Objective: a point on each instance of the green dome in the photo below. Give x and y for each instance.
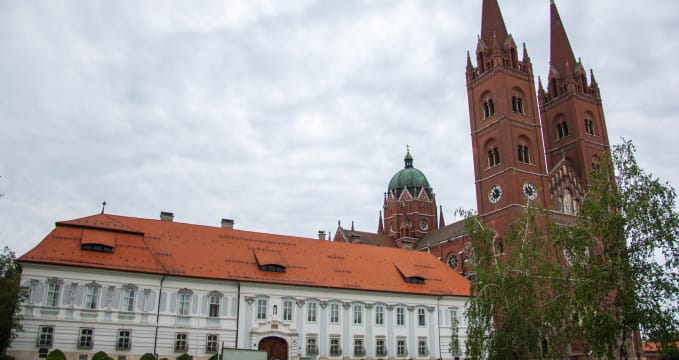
(408, 177)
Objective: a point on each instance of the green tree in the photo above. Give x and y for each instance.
(626, 239)
(11, 295)
(520, 300)
(595, 282)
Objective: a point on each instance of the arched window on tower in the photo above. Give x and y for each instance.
(517, 104)
(493, 157)
(524, 154)
(589, 126)
(561, 129)
(488, 108)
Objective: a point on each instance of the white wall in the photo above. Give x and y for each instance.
(70, 315)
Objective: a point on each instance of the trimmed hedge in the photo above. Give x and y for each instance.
(56, 354)
(147, 356)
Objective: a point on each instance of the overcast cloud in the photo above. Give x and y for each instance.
(285, 116)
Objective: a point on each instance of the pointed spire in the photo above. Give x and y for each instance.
(442, 222)
(492, 23)
(592, 79)
(526, 58)
(561, 52)
(469, 62)
(540, 88)
(380, 225)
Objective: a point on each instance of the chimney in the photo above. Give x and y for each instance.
(166, 216)
(227, 223)
(321, 235)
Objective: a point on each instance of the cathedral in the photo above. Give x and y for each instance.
(529, 146)
(131, 286)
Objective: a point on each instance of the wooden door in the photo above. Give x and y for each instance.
(276, 348)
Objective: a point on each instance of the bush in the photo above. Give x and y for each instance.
(183, 356)
(101, 356)
(148, 356)
(56, 354)
(214, 357)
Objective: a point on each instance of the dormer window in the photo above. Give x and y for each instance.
(269, 260)
(99, 241)
(97, 247)
(272, 267)
(414, 280)
(412, 274)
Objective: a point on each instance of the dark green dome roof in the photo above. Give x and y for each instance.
(408, 176)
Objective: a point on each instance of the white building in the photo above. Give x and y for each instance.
(129, 286)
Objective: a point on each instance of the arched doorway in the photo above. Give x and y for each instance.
(276, 348)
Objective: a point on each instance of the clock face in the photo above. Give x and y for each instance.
(495, 194)
(529, 190)
(424, 225)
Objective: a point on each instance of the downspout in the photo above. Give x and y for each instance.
(237, 316)
(155, 338)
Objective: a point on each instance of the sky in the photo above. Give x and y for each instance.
(285, 116)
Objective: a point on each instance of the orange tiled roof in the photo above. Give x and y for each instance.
(173, 248)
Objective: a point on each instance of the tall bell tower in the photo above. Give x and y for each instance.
(573, 119)
(509, 165)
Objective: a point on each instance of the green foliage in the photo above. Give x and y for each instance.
(214, 357)
(183, 356)
(101, 356)
(147, 356)
(11, 295)
(670, 354)
(622, 273)
(455, 338)
(56, 354)
(519, 305)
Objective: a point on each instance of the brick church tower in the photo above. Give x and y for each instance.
(512, 166)
(509, 161)
(573, 119)
(409, 206)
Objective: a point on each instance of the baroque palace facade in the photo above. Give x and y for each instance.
(130, 286)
